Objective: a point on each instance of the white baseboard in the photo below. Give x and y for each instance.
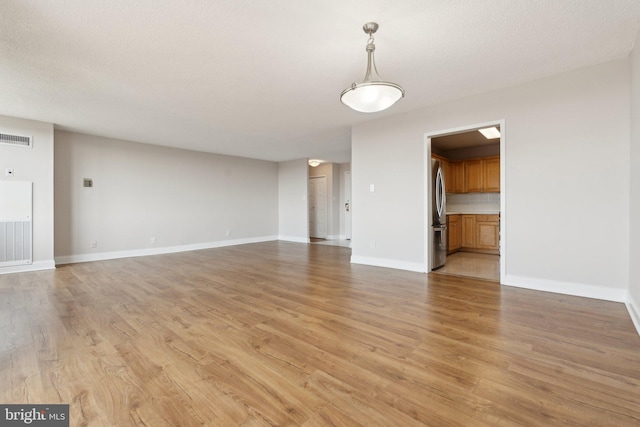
(567, 288)
(336, 237)
(633, 307)
(389, 263)
(34, 266)
(100, 256)
(294, 239)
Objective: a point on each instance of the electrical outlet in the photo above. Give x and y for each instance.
(154, 240)
(373, 244)
(228, 233)
(94, 244)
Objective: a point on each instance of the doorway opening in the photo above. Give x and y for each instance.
(318, 207)
(329, 198)
(473, 166)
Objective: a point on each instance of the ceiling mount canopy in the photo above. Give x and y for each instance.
(373, 94)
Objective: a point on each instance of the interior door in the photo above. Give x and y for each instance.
(347, 205)
(318, 207)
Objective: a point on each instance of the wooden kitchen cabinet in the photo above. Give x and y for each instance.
(488, 232)
(456, 177)
(468, 231)
(446, 170)
(480, 175)
(480, 233)
(491, 175)
(454, 234)
(473, 179)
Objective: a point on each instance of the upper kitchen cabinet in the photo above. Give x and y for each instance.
(474, 176)
(456, 178)
(491, 174)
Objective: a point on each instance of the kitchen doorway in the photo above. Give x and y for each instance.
(474, 170)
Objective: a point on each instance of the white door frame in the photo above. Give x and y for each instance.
(347, 199)
(428, 239)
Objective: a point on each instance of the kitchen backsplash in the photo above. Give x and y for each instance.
(473, 202)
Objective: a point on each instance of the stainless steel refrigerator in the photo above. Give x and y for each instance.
(438, 216)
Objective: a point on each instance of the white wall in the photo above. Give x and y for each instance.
(567, 181)
(36, 165)
(293, 207)
(634, 271)
(186, 199)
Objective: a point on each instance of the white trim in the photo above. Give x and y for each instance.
(336, 237)
(427, 193)
(567, 288)
(349, 189)
(35, 266)
(4, 264)
(389, 263)
(634, 311)
(158, 251)
(503, 201)
(294, 239)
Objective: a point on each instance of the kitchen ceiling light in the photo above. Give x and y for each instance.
(373, 94)
(490, 133)
(314, 163)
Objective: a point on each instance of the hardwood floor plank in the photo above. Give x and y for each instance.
(289, 334)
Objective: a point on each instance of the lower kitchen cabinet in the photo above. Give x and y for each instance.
(468, 231)
(488, 232)
(480, 233)
(455, 233)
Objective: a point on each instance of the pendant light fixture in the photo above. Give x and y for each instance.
(373, 94)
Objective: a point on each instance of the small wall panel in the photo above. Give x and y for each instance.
(15, 223)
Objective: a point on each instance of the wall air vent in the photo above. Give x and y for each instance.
(16, 140)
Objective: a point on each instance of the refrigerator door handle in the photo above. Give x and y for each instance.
(440, 195)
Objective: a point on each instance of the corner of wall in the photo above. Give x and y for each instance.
(389, 263)
(294, 239)
(633, 307)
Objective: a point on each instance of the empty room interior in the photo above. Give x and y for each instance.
(409, 213)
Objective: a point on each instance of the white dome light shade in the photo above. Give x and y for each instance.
(371, 97)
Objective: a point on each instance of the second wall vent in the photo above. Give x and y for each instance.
(16, 140)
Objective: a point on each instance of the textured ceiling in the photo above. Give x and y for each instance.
(261, 79)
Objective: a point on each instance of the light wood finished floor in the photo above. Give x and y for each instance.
(291, 334)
